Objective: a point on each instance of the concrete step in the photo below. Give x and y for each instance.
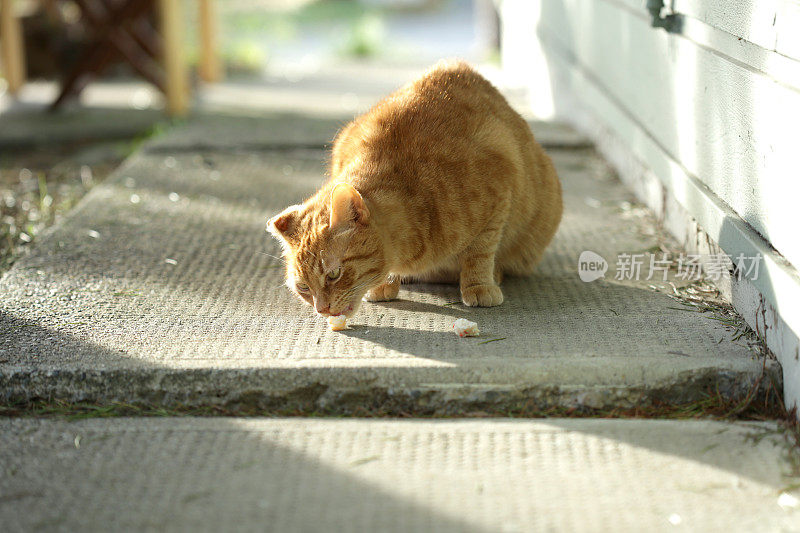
(162, 287)
(234, 474)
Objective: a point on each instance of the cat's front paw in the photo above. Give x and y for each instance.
(384, 292)
(482, 295)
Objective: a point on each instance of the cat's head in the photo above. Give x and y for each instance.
(333, 251)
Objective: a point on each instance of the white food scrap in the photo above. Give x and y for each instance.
(787, 501)
(337, 323)
(465, 328)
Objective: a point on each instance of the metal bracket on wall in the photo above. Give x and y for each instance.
(671, 23)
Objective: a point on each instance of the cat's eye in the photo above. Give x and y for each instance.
(334, 274)
(302, 287)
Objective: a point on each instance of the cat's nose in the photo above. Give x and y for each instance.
(322, 307)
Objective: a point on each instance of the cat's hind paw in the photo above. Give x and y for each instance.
(383, 292)
(482, 296)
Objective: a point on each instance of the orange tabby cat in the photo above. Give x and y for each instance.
(440, 181)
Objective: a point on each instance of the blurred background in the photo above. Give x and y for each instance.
(89, 94)
(271, 41)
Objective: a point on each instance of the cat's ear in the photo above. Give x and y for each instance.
(347, 207)
(284, 224)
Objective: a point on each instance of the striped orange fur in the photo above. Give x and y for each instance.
(440, 181)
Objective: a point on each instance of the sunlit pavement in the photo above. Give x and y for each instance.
(224, 474)
(162, 287)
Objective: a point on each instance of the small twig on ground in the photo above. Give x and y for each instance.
(493, 340)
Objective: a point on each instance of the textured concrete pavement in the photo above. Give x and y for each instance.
(163, 286)
(229, 474)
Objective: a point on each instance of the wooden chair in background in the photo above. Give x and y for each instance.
(121, 30)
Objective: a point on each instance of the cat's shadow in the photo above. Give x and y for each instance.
(426, 344)
(418, 342)
(456, 309)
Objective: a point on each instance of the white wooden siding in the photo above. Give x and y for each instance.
(788, 28)
(704, 125)
(730, 125)
(753, 20)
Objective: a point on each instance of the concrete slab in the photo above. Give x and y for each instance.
(163, 286)
(310, 107)
(34, 126)
(368, 475)
(239, 131)
(257, 131)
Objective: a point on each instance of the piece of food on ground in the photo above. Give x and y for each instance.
(337, 322)
(465, 328)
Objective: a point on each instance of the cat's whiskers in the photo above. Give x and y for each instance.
(369, 283)
(312, 254)
(281, 259)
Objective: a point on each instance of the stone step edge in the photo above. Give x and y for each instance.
(252, 389)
